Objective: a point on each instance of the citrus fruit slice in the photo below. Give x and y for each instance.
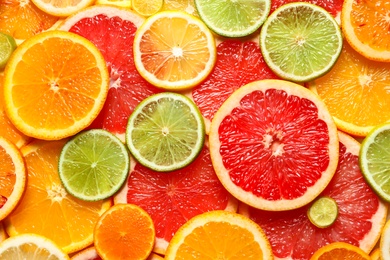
(274, 145)
(300, 41)
(187, 6)
(147, 8)
(93, 165)
(239, 62)
(359, 222)
(112, 30)
(55, 85)
(355, 92)
(384, 244)
(364, 25)
(173, 198)
(12, 177)
(7, 47)
(375, 254)
(174, 59)
(340, 250)
(201, 236)
(46, 208)
(90, 253)
(373, 160)
(323, 212)
(233, 18)
(125, 231)
(62, 8)
(165, 132)
(118, 3)
(31, 246)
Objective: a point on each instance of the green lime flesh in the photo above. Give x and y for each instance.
(233, 18)
(323, 212)
(300, 41)
(374, 160)
(93, 165)
(7, 47)
(165, 132)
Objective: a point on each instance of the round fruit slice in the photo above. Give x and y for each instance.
(112, 30)
(125, 231)
(31, 246)
(201, 236)
(7, 47)
(12, 177)
(187, 6)
(374, 158)
(365, 27)
(93, 165)
(340, 250)
(147, 8)
(355, 92)
(233, 18)
(359, 222)
(384, 245)
(165, 132)
(274, 145)
(118, 3)
(55, 85)
(173, 198)
(323, 212)
(62, 8)
(90, 253)
(46, 208)
(176, 58)
(300, 41)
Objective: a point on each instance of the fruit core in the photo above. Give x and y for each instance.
(273, 140)
(56, 193)
(177, 52)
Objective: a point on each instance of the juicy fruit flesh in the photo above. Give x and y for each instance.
(273, 137)
(7, 176)
(332, 6)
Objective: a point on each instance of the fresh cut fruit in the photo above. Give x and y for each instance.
(187, 6)
(323, 212)
(165, 132)
(118, 3)
(274, 145)
(55, 85)
(147, 8)
(340, 250)
(7, 47)
(62, 8)
(300, 41)
(219, 235)
(384, 245)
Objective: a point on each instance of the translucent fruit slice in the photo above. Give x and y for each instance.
(323, 212)
(340, 250)
(62, 8)
(300, 41)
(147, 8)
(93, 165)
(7, 47)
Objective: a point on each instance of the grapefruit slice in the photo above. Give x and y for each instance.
(112, 30)
(360, 219)
(172, 198)
(274, 145)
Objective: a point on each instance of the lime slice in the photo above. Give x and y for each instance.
(93, 165)
(236, 18)
(374, 160)
(323, 212)
(300, 41)
(147, 8)
(7, 47)
(165, 132)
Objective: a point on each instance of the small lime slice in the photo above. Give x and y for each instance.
(236, 18)
(374, 160)
(93, 165)
(147, 8)
(7, 47)
(165, 132)
(300, 41)
(323, 212)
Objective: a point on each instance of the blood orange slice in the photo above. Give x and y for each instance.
(173, 198)
(360, 219)
(274, 145)
(112, 30)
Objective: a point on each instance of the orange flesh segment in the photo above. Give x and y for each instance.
(7, 176)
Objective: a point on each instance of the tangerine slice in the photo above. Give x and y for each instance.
(340, 250)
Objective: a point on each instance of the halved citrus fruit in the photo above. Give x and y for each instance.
(274, 145)
(340, 250)
(55, 85)
(12, 177)
(112, 30)
(174, 197)
(62, 8)
(176, 58)
(90, 253)
(46, 208)
(219, 235)
(187, 6)
(323, 212)
(125, 231)
(361, 213)
(7, 47)
(147, 8)
(355, 92)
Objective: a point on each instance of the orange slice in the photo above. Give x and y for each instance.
(366, 27)
(55, 85)
(340, 250)
(90, 253)
(356, 92)
(219, 235)
(46, 208)
(12, 177)
(125, 231)
(62, 8)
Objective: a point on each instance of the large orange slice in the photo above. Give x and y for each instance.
(46, 208)
(55, 85)
(274, 145)
(340, 250)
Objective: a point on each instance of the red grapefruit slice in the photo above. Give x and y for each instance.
(359, 222)
(112, 30)
(274, 145)
(173, 198)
